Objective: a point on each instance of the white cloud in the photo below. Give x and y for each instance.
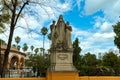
(78, 3)
(91, 6)
(106, 27)
(109, 7)
(95, 42)
(34, 18)
(102, 38)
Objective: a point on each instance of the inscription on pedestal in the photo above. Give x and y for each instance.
(62, 56)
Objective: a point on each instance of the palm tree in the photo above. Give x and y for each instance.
(14, 46)
(41, 50)
(49, 36)
(18, 47)
(44, 31)
(32, 47)
(36, 50)
(17, 39)
(25, 47)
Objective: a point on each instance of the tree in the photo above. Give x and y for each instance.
(90, 59)
(39, 62)
(25, 47)
(76, 53)
(88, 64)
(14, 46)
(49, 36)
(41, 50)
(44, 31)
(14, 9)
(18, 47)
(17, 39)
(3, 42)
(111, 60)
(32, 47)
(36, 50)
(4, 17)
(116, 29)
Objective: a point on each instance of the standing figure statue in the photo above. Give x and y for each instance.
(53, 34)
(68, 35)
(61, 35)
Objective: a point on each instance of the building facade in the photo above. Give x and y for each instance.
(16, 59)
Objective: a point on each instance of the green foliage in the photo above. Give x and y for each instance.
(25, 47)
(4, 17)
(76, 53)
(90, 59)
(44, 31)
(108, 66)
(116, 29)
(111, 60)
(88, 64)
(36, 50)
(18, 47)
(17, 39)
(38, 63)
(3, 42)
(32, 47)
(49, 36)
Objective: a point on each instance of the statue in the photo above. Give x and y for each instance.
(68, 35)
(53, 36)
(61, 35)
(61, 48)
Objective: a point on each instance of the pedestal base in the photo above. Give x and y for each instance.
(62, 76)
(61, 61)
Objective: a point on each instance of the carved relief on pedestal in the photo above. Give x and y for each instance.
(62, 56)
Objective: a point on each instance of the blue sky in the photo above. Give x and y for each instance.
(91, 21)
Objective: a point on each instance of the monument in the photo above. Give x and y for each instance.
(61, 52)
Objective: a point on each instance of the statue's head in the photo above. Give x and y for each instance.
(67, 23)
(60, 16)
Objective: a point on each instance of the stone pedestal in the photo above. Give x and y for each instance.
(62, 61)
(62, 67)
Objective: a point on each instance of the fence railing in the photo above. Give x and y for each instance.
(18, 73)
(29, 72)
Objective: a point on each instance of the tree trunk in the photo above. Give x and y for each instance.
(43, 45)
(14, 19)
(0, 61)
(6, 54)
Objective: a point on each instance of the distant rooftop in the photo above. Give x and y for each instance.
(3, 48)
